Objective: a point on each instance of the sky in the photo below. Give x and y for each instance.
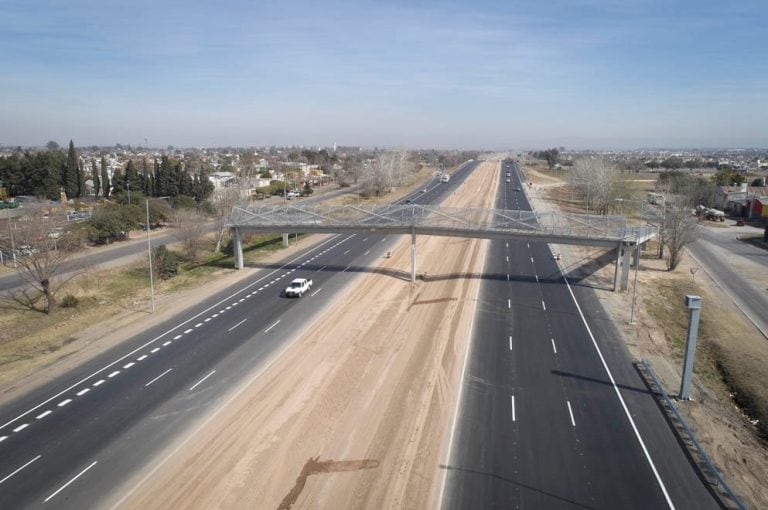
(583, 74)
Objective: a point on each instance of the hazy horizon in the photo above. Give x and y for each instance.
(584, 74)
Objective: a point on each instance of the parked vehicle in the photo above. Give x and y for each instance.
(714, 215)
(298, 287)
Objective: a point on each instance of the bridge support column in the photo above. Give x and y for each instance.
(413, 255)
(237, 247)
(619, 253)
(285, 240)
(625, 267)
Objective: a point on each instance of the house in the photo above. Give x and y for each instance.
(756, 207)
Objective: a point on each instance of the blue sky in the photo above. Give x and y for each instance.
(449, 74)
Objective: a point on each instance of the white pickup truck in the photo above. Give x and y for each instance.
(298, 287)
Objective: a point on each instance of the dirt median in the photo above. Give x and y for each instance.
(354, 414)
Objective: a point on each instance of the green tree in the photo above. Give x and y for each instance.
(113, 222)
(52, 146)
(165, 263)
(727, 177)
(95, 178)
(104, 177)
(71, 172)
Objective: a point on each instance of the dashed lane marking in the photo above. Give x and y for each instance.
(179, 336)
(98, 383)
(514, 418)
(113, 374)
(43, 414)
(570, 412)
(21, 427)
(85, 390)
(554, 347)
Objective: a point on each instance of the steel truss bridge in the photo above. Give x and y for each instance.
(416, 219)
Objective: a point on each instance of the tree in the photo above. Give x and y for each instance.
(104, 177)
(95, 178)
(307, 189)
(52, 146)
(39, 259)
(222, 203)
(727, 177)
(189, 230)
(165, 263)
(71, 172)
(113, 222)
(679, 228)
(598, 183)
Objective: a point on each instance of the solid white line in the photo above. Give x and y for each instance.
(315, 292)
(510, 342)
(21, 427)
(83, 392)
(554, 347)
(618, 394)
(201, 380)
(186, 331)
(570, 411)
(19, 469)
(544, 306)
(99, 382)
(150, 342)
(321, 268)
(513, 408)
(43, 415)
(158, 377)
(81, 473)
(236, 325)
(64, 402)
(177, 337)
(272, 326)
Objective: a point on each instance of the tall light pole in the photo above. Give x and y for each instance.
(151, 272)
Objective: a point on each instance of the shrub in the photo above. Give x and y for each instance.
(69, 301)
(165, 263)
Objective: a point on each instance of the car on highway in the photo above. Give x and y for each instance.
(509, 180)
(424, 190)
(298, 287)
(517, 189)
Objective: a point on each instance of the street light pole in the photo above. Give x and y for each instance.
(151, 272)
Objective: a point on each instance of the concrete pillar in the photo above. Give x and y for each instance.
(237, 248)
(694, 305)
(625, 266)
(285, 240)
(616, 270)
(413, 255)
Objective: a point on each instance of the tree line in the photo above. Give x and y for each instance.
(45, 174)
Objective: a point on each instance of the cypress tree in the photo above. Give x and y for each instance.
(104, 177)
(71, 175)
(95, 178)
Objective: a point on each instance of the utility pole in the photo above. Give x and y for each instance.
(151, 272)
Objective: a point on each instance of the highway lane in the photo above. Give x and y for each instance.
(541, 424)
(70, 442)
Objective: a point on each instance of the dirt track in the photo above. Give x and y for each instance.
(355, 414)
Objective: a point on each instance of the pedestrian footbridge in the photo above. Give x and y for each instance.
(415, 219)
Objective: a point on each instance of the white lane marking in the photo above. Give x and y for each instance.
(544, 306)
(513, 408)
(537, 278)
(321, 268)
(81, 473)
(222, 311)
(233, 304)
(158, 377)
(82, 392)
(241, 300)
(150, 342)
(3, 438)
(531, 260)
(510, 342)
(154, 350)
(214, 316)
(201, 380)
(528, 244)
(272, 326)
(507, 276)
(177, 337)
(142, 357)
(98, 383)
(19, 469)
(367, 252)
(345, 252)
(129, 365)
(507, 258)
(43, 415)
(509, 303)
(315, 292)
(186, 331)
(236, 325)
(365, 239)
(346, 268)
(22, 427)
(618, 394)
(554, 347)
(113, 374)
(570, 411)
(166, 344)
(260, 288)
(64, 402)
(208, 319)
(507, 244)
(200, 323)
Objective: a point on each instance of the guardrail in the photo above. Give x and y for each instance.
(726, 496)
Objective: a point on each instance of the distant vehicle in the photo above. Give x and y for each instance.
(509, 180)
(291, 195)
(714, 215)
(655, 198)
(424, 190)
(517, 189)
(408, 202)
(298, 287)
(445, 178)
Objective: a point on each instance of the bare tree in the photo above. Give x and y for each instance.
(223, 201)
(386, 170)
(189, 230)
(40, 249)
(597, 181)
(678, 230)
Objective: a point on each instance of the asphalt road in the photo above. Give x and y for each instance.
(70, 442)
(542, 423)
